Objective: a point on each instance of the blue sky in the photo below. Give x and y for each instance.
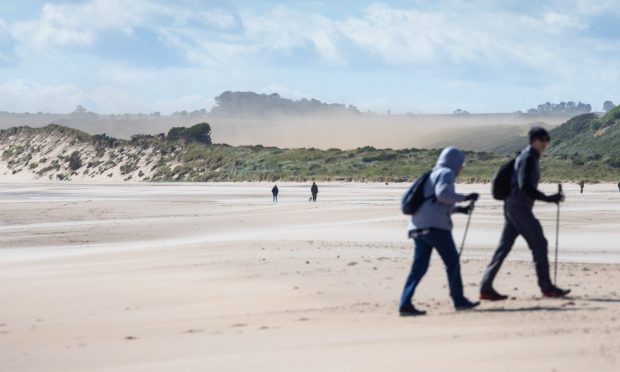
(116, 56)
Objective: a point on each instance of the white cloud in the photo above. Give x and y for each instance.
(224, 48)
(79, 24)
(219, 19)
(283, 29)
(24, 96)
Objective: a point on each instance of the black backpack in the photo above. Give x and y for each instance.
(414, 196)
(502, 181)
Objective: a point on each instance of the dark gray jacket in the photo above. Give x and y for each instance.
(525, 178)
(437, 212)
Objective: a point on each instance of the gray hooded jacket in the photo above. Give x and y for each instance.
(437, 212)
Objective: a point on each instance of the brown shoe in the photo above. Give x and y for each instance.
(556, 292)
(492, 295)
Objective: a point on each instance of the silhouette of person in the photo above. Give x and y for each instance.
(274, 192)
(314, 190)
(581, 184)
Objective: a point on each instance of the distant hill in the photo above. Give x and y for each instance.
(250, 104)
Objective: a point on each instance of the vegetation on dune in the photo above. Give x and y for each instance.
(589, 140)
(186, 154)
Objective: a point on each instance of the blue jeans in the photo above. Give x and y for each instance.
(443, 242)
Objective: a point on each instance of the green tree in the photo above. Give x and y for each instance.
(608, 105)
(199, 133)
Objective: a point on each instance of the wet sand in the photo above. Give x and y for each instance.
(216, 277)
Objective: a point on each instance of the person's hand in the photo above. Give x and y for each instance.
(473, 196)
(465, 210)
(555, 198)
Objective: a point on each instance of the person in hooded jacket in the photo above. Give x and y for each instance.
(520, 220)
(431, 227)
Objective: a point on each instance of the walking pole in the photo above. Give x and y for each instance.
(471, 209)
(557, 235)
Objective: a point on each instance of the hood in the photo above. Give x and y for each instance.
(452, 158)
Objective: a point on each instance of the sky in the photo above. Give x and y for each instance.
(118, 56)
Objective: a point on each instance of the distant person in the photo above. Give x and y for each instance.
(581, 185)
(618, 186)
(314, 190)
(274, 192)
(519, 219)
(431, 227)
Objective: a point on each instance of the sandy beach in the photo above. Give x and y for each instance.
(216, 277)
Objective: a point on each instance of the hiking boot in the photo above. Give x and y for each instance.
(555, 292)
(492, 295)
(410, 310)
(465, 304)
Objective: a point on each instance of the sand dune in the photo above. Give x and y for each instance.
(215, 277)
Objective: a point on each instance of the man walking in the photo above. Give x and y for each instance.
(519, 219)
(274, 193)
(314, 190)
(581, 185)
(431, 227)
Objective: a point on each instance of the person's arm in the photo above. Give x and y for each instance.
(444, 189)
(524, 180)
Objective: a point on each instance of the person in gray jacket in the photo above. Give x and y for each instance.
(519, 220)
(431, 227)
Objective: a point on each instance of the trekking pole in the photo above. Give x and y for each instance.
(557, 235)
(471, 208)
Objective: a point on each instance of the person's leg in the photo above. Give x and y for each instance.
(444, 243)
(509, 235)
(531, 230)
(421, 259)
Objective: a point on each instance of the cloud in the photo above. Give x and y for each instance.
(23, 95)
(80, 24)
(548, 47)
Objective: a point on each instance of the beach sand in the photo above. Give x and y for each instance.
(216, 277)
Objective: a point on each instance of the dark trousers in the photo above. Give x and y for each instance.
(423, 247)
(275, 198)
(314, 197)
(520, 220)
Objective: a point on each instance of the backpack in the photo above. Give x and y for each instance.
(414, 196)
(502, 181)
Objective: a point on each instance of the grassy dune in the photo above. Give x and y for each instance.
(46, 153)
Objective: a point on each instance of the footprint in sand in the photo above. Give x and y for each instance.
(131, 338)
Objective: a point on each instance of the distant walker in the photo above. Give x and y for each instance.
(274, 192)
(314, 190)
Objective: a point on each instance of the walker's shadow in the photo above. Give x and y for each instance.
(531, 308)
(611, 300)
